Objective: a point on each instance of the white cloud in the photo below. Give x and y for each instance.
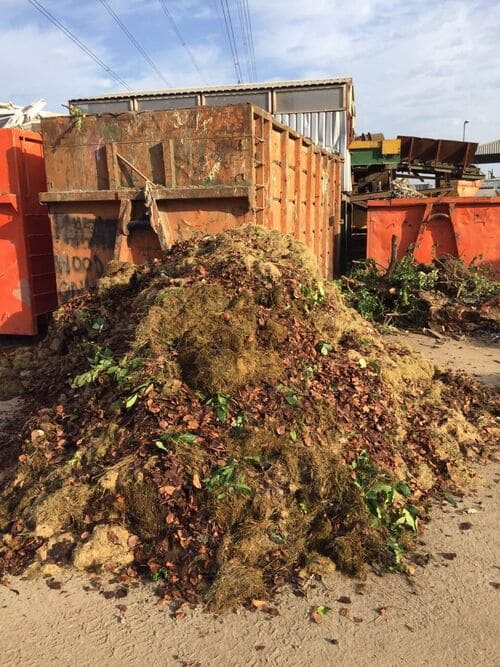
(419, 67)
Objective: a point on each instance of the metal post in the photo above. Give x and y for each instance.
(463, 132)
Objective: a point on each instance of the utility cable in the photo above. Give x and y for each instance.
(245, 38)
(181, 38)
(37, 5)
(230, 35)
(139, 48)
(250, 33)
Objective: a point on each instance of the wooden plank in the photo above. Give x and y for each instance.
(195, 192)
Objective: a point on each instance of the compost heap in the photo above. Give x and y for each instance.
(221, 422)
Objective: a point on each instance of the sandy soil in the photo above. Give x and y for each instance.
(447, 614)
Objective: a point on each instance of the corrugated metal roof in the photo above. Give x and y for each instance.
(267, 85)
(491, 148)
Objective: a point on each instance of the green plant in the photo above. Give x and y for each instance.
(385, 501)
(226, 481)
(291, 396)
(161, 574)
(101, 363)
(99, 324)
(325, 348)
(173, 437)
(120, 372)
(313, 295)
(78, 117)
(379, 297)
(220, 404)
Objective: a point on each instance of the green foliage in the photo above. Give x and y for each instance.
(381, 297)
(378, 298)
(325, 348)
(121, 372)
(385, 501)
(171, 437)
(471, 284)
(99, 324)
(101, 363)
(220, 404)
(78, 117)
(313, 295)
(161, 574)
(225, 479)
(291, 396)
(238, 424)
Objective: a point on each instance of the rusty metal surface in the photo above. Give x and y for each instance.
(117, 178)
(432, 152)
(466, 227)
(321, 109)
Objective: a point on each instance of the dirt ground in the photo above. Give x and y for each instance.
(447, 614)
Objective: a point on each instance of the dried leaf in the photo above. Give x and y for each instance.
(259, 604)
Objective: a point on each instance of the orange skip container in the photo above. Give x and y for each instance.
(466, 227)
(27, 277)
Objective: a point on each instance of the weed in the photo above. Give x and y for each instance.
(103, 363)
(120, 372)
(385, 501)
(325, 348)
(161, 574)
(174, 438)
(291, 396)
(100, 324)
(238, 424)
(220, 404)
(313, 295)
(225, 480)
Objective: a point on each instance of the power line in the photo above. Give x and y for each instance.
(78, 42)
(181, 38)
(245, 38)
(230, 35)
(139, 48)
(250, 33)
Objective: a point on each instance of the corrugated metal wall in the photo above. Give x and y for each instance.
(327, 129)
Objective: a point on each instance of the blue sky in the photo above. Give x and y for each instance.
(419, 67)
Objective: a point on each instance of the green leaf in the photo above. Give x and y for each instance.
(325, 348)
(131, 400)
(160, 445)
(450, 499)
(403, 489)
(303, 506)
(244, 489)
(292, 399)
(293, 436)
(322, 609)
